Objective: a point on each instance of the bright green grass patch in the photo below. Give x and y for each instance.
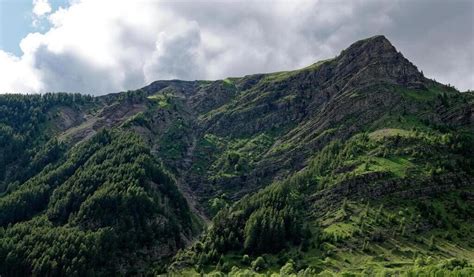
(283, 75)
(279, 76)
(341, 229)
(396, 121)
(156, 97)
(396, 165)
(161, 99)
(389, 132)
(228, 81)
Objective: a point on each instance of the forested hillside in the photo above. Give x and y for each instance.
(353, 165)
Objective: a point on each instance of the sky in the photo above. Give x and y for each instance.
(104, 46)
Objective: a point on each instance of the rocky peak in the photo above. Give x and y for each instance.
(375, 58)
(374, 46)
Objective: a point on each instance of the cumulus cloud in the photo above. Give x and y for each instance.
(41, 7)
(177, 55)
(18, 75)
(102, 46)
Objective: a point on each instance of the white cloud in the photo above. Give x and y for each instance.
(18, 75)
(41, 7)
(102, 46)
(177, 55)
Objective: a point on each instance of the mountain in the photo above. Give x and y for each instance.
(353, 165)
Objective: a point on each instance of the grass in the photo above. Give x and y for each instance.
(228, 82)
(397, 252)
(425, 95)
(162, 100)
(398, 121)
(419, 95)
(388, 132)
(342, 230)
(284, 75)
(396, 165)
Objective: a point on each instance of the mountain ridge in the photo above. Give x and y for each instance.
(311, 153)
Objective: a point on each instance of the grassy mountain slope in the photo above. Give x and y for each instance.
(357, 163)
(378, 202)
